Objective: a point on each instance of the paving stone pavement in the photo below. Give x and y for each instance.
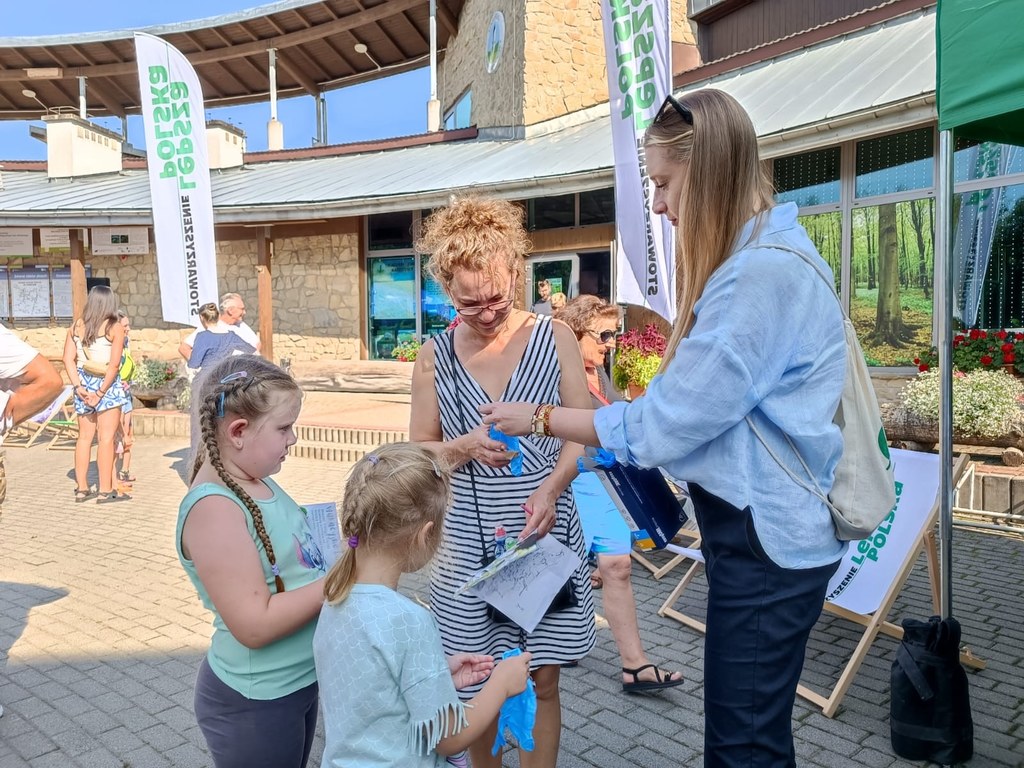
(101, 635)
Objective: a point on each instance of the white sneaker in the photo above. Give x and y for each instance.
(1, 710)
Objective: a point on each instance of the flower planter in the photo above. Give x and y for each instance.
(150, 398)
(635, 390)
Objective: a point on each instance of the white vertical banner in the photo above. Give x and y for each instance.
(179, 179)
(638, 49)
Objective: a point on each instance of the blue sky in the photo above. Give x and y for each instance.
(357, 113)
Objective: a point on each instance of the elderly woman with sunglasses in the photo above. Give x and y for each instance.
(753, 371)
(498, 352)
(595, 323)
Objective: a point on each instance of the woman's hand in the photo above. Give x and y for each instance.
(91, 399)
(510, 418)
(541, 513)
(488, 451)
(470, 668)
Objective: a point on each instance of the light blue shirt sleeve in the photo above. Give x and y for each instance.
(737, 350)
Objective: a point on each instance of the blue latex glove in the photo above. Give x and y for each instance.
(518, 714)
(511, 443)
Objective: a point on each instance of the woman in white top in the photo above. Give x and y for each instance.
(92, 358)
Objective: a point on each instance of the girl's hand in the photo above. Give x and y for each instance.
(470, 668)
(541, 513)
(489, 452)
(91, 399)
(512, 673)
(510, 418)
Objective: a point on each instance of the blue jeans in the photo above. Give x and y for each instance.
(250, 733)
(759, 618)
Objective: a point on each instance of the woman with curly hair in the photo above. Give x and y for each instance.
(499, 352)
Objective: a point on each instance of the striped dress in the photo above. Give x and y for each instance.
(562, 636)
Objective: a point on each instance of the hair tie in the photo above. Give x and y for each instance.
(274, 569)
(353, 542)
(372, 458)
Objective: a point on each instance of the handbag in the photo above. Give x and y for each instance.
(92, 367)
(864, 490)
(566, 597)
(930, 707)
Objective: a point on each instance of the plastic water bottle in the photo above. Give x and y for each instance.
(499, 541)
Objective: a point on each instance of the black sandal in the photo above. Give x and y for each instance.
(85, 495)
(662, 680)
(112, 497)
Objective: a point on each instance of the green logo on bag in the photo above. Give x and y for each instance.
(883, 446)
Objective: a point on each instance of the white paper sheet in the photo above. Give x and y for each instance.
(525, 588)
(323, 524)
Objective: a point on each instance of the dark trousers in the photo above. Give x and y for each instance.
(759, 618)
(250, 733)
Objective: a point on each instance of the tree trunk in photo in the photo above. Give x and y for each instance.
(888, 313)
(917, 221)
(871, 261)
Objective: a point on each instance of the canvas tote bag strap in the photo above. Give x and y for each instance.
(814, 489)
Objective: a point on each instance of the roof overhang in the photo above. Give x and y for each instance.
(315, 44)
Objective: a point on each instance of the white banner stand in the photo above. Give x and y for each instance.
(874, 575)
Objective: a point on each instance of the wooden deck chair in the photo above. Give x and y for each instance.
(26, 433)
(920, 539)
(64, 428)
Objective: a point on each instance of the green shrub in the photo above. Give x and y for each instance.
(985, 403)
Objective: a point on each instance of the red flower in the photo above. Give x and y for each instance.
(1020, 337)
(974, 334)
(922, 367)
(1000, 334)
(959, 339)
(917, 361)
(1008, 357)
(986, 360)
(1007, 347)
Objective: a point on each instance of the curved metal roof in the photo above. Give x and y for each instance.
(315, 43)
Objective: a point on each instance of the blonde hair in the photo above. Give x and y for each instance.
(579, 313)
(391, 493)
(209, 314)
(251, 397)
(724, 184)
(476, 234)
(557, 301)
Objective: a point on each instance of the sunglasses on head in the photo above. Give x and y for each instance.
(605, 337)
(670, 105)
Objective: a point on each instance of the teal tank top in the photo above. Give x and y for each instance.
(286, 665)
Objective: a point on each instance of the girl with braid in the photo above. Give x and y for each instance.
(388, 690)
(247, 548)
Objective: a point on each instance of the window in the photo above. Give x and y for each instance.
(973, 160)
(389, 231)
(900, 162)
(436, 309)
(551, 212)
(392, 299)
(826, 232)
(988, 257)
(460, 114)
(597, 206)
(809, 179)
(891, 279)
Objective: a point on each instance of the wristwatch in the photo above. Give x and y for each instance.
(541, 422)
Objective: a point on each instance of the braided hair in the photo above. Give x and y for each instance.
(242, 385)
(390, 494)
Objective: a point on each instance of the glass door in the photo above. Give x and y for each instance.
(549, 275)
(392, 299)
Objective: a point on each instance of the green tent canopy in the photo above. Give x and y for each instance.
(980, 51)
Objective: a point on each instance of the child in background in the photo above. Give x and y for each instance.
(125, 438)
(388, 690)
(247, 547)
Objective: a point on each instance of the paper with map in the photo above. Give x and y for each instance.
(524, 588)
(326, 531)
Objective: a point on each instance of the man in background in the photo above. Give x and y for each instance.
(543, 307)
(28, 383)
(232, 312)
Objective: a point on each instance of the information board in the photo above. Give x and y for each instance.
(54, 240)
(5, 295)
(61, 281)
(16, 241)
(120, 241)
(30, 292)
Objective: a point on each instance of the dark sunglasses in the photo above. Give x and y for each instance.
(605, 337)
(679, 109)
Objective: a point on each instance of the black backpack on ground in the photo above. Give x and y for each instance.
(930, 708)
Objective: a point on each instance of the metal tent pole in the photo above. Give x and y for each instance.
(944, 341)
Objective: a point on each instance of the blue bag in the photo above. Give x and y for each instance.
(518, 714)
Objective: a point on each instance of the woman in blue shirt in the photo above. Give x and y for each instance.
(758, 339)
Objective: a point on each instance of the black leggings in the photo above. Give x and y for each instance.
(250, 733)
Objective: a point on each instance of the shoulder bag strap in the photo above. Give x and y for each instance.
(814, 488)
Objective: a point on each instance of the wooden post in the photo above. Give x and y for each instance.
(78, 287)
(264, 291)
